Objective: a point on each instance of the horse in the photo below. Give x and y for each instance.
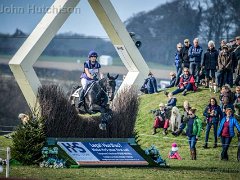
(97, 96)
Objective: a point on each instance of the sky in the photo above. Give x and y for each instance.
(25, 15)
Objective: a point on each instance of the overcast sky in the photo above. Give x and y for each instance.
(25, 15)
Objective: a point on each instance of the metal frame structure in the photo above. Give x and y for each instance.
(22, 62)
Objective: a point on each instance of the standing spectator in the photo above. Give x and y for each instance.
(210, 62)
(178, 62)
(172, 81)
(195, 56)
(226, 132)
(186, 83)
(237, 59)
(161, 119)
(224, 67)
(223, 43)
(150, 84)
(213, 115)
(193, 131)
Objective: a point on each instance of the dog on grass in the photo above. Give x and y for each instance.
(213, 87)
(175, 119)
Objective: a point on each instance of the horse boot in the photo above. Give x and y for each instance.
(154, 131)
(81, 98)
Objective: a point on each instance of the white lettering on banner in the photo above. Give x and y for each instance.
(77, 151)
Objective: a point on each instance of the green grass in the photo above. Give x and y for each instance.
(207, 166)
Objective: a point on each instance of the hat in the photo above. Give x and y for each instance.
(92, 54)
(174, 147)
(161, 105)
(225, 47)
(186, 40)
(231, 40)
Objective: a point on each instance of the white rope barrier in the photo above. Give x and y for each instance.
(7, 160)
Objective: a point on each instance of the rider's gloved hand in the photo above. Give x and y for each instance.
(95, 77)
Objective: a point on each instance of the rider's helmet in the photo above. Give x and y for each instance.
(92, 54)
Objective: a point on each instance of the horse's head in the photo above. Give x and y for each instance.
(110, 86)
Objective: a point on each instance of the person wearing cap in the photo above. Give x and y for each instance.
(173, 154)
(226, 131)
(213, 115)
(222, 43)
(173, 80)
(90, 73)
(184, 58)
(161, 120)
(224, 67)
(210, 62)
(195, 58)
(193, 131)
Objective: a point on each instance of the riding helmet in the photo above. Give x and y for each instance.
(92, 54)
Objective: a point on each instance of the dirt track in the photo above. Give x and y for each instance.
(159, 73)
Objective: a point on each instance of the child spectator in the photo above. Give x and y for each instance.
(172, 81)
(172, 101)
(173, 154)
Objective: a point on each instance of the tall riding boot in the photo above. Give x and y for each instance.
(191, 154)
(194, 154)
(81, 98)
(154, 131)
(207, 83)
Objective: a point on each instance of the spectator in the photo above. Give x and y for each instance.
(193, 131)
(150, 84)
(195, 56)
(224, 67)
(223, 43)
(210, 62)
(172, 101)
(161, 119)
(178, 62)
(186, 83)
(237, 59)
(184, 58)
(226, 132)
(213, 115)
(172, 81)
(173, 154)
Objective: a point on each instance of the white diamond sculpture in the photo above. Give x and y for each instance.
(22, 62)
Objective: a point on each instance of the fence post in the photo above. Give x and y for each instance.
(7, 162)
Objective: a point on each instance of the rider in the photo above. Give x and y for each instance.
(90, 73)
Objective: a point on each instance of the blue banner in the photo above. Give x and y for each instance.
(108, 153)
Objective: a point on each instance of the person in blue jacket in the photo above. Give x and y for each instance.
(213, 114)
(90, 73)
(226, 131)
(150, 84)
(195, 58)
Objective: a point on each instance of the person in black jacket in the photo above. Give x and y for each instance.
(210, 62)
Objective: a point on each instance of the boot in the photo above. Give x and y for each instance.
(165, 132)
(154, 131)
(81, 98)
(191, 154)
(184, 92)
(215, 145)
(205, 146)
(207, 83)
(177, 132)
(194, 154)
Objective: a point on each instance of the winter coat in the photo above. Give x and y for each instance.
(151, 85)
(177, 59)
(172, 82)
(172, 102)
(232, 122)
(174, 155)
(195, 54)
(210, 59)
(224, 61)
(217, 114)
(197, 127)
(183, 55)
(189, 80)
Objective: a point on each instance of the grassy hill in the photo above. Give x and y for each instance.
(207, 166)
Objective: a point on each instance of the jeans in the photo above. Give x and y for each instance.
(208, 128)
(225, 145)
(210, 72)
(194, 69)
(192, 142)
(188, 87)
(179, 72)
